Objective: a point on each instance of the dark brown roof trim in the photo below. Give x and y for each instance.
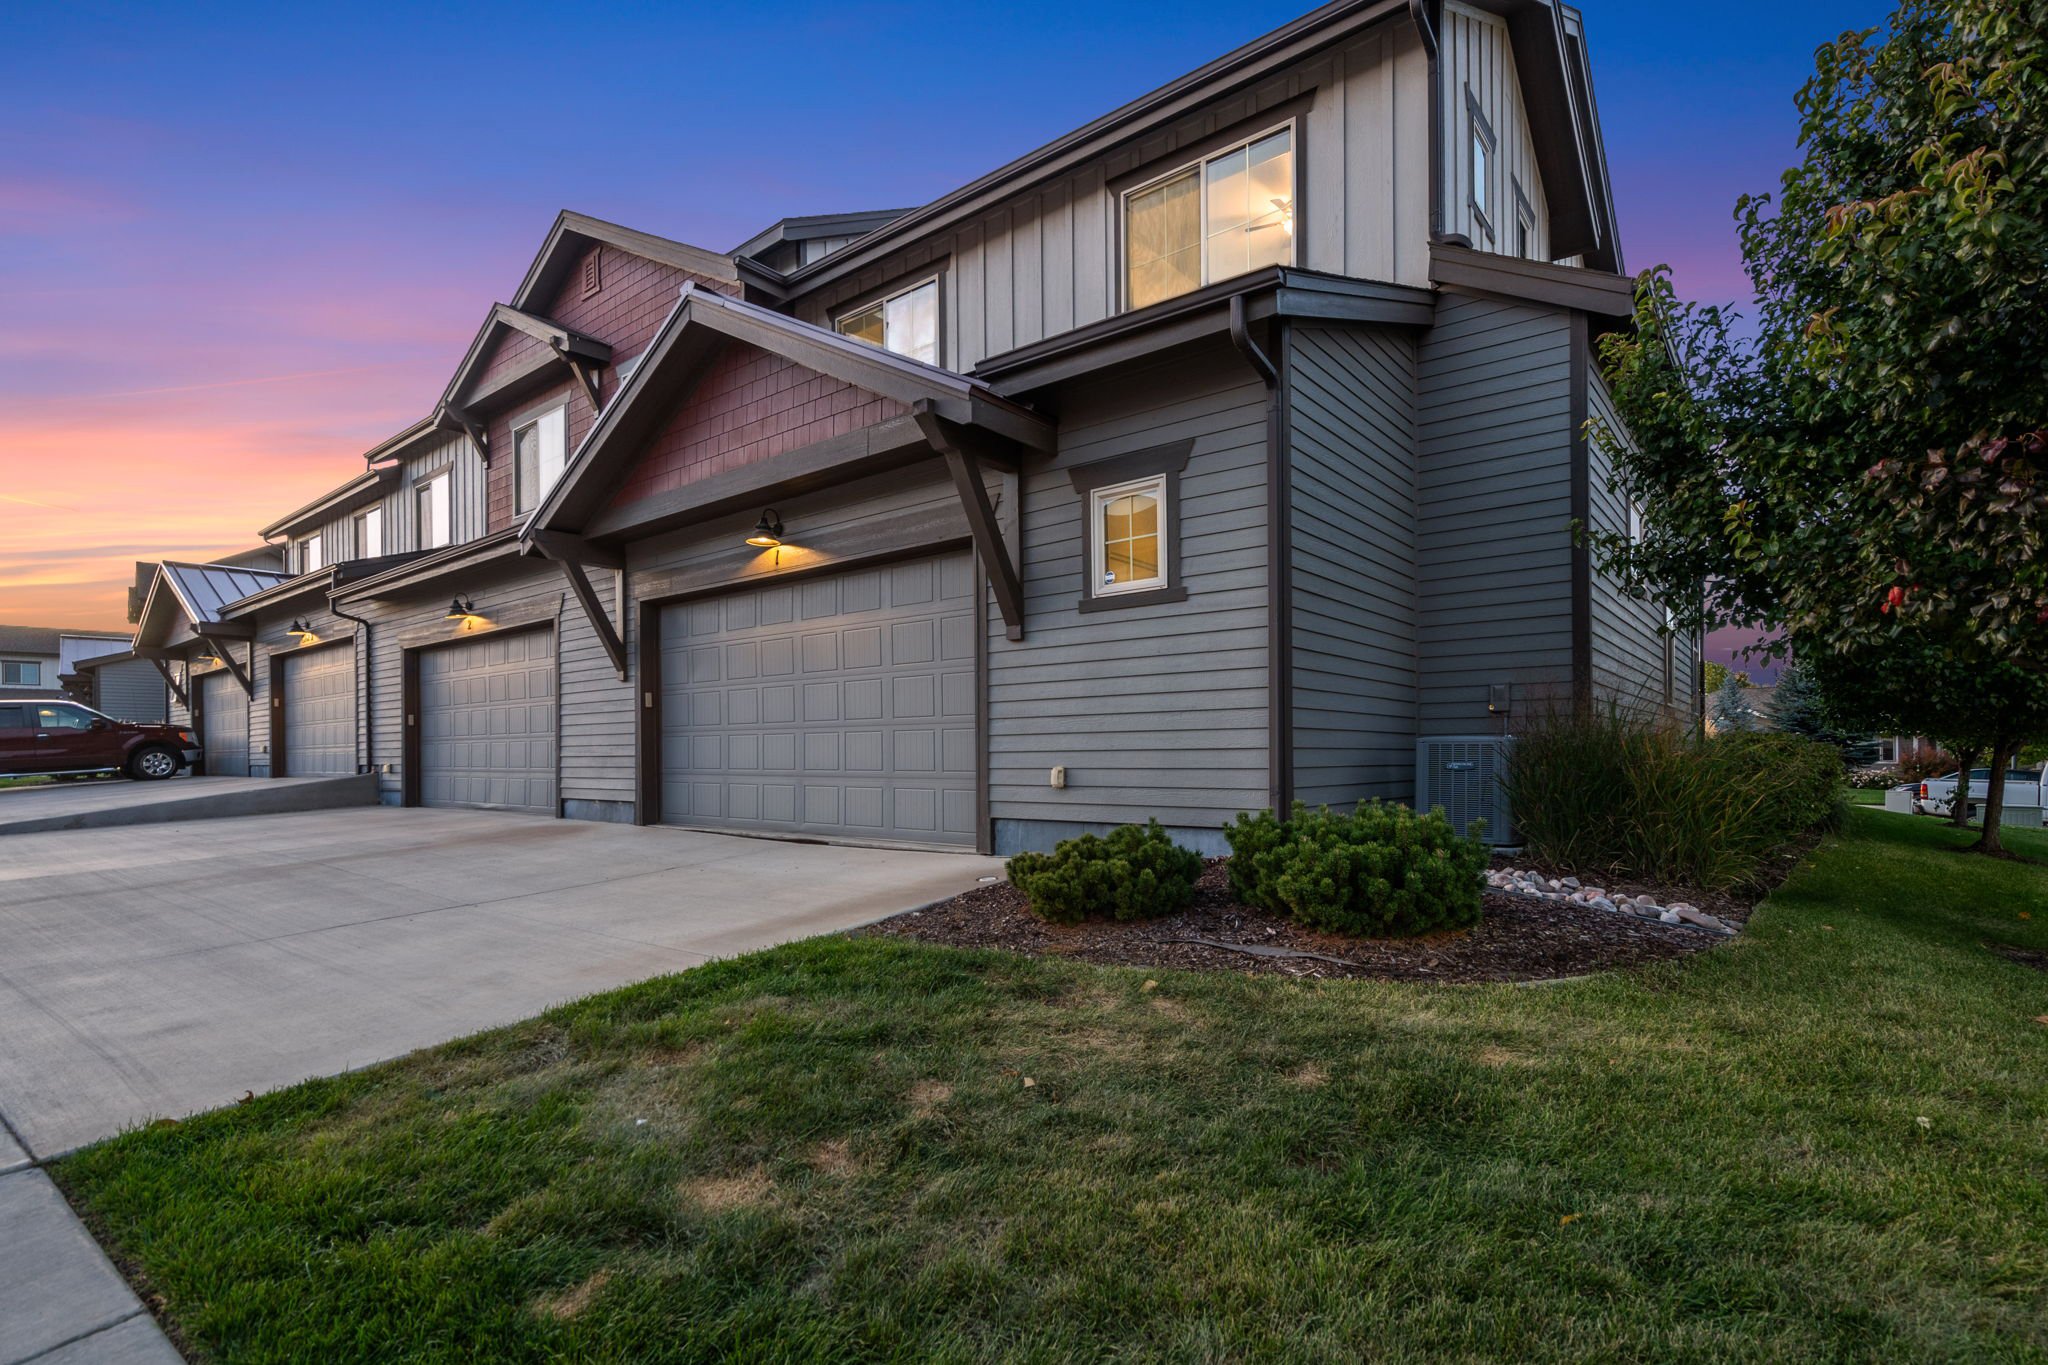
(425, 568)
(364, 488)
(1247, 64)
(1275, 292)
(550, 267)
(1596, 292)
(563, 343)
(816, 226)
(391, 447)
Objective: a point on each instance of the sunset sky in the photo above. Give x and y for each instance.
(242, 244)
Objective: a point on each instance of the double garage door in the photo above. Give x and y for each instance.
(841, 706)
(224, 724)
(319, 696)
(487, 723)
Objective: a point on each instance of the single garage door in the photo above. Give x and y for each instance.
(840, 706)
(224, 724)
(487, 723)
(320, 712)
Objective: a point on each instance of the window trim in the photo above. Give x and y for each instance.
(1153, 485)
(533, 417)
(419, 529)
(358, 523)
(1235, 140)
(1479, 129)
(1166, 463)
(1525, 217)
(299, 553)
(36, 664)
(880, 298)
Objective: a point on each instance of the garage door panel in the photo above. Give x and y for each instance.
(877, 661)
(320, 712)
(487, 723)
(224, 718)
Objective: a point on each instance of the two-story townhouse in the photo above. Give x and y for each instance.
(1210, 456)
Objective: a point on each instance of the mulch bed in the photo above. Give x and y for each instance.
(1517, 939)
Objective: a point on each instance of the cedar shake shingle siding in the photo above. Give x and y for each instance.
(750, 405)
(636, 296)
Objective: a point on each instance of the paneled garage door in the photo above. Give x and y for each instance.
(840, 706)
(224, 721)
(320, 712)
(487, 723)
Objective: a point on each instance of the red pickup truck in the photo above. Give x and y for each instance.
(64, 738)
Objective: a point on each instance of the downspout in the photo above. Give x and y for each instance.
(366, 714)
(1425, 26)
(1279, 578)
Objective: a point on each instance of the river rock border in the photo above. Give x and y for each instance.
(1518, 881)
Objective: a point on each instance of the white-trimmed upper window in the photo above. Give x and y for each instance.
(21, 673)
(430, 512)
(1525, 223)
(1479, 164)
(1225, 215)
(906, 322)
(539, 448)
(369, 533)
(1128, 531)
(307, 553)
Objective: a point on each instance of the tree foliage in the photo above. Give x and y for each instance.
(1729, 706)
(1868, 475)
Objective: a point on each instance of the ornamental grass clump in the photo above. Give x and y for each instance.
(1379, 870)
(1133, 872)
(1619, 792)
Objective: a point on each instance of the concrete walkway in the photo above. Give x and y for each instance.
(106, 803)
(167, 969)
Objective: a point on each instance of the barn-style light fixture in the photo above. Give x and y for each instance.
(767, 531)
(461, 609)
(301, 632)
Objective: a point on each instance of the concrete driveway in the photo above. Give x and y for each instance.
(165, 969)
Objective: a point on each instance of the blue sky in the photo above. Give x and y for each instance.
(252, 240)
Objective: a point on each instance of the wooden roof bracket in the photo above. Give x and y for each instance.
(476, 433)
(577, 557)
(219, 646)
(965, 453)
(585, 369)
(171, 681)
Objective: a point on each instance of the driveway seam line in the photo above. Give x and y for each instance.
(136, 1312)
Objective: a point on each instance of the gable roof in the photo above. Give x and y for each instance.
(572, 232)
(702, 321)
(563, 343)
(817, 225)
(199, 592)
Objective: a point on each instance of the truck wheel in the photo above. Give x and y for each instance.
(152, 763)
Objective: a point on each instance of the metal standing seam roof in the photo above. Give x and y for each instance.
(203, 589)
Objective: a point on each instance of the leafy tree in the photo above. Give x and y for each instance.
(1731, 710)
(1712, 675)
(1869, 475)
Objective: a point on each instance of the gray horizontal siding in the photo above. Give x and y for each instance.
(1045, 262)
(1628, 632)
(1352, 532)
(1493, 540)
(1155, 710)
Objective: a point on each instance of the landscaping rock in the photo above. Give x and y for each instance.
(1528, 884)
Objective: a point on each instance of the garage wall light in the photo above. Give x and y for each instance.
(302, 632)
(461, 609)
(767, 531)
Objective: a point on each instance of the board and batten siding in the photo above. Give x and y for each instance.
(456, 454)
(1157, 710)
(1478, 60)
(1628, 632)
(1046, 261)
(1352, 542)
(1493, 488)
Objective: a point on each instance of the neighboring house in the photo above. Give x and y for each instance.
(37, 661)
(1209, 457)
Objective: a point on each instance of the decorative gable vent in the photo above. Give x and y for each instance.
(593, 271)
(1467, 776)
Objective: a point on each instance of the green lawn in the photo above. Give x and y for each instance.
(1824, 1140)
(1866, 796)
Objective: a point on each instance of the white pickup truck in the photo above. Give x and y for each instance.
(1937, 795)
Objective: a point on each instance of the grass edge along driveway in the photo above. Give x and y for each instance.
(1822, 1141)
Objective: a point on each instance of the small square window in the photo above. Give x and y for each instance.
(1128, 533)
(21, 673)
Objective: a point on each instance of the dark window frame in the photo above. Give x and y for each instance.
(1169, 461)
(1481, 129)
